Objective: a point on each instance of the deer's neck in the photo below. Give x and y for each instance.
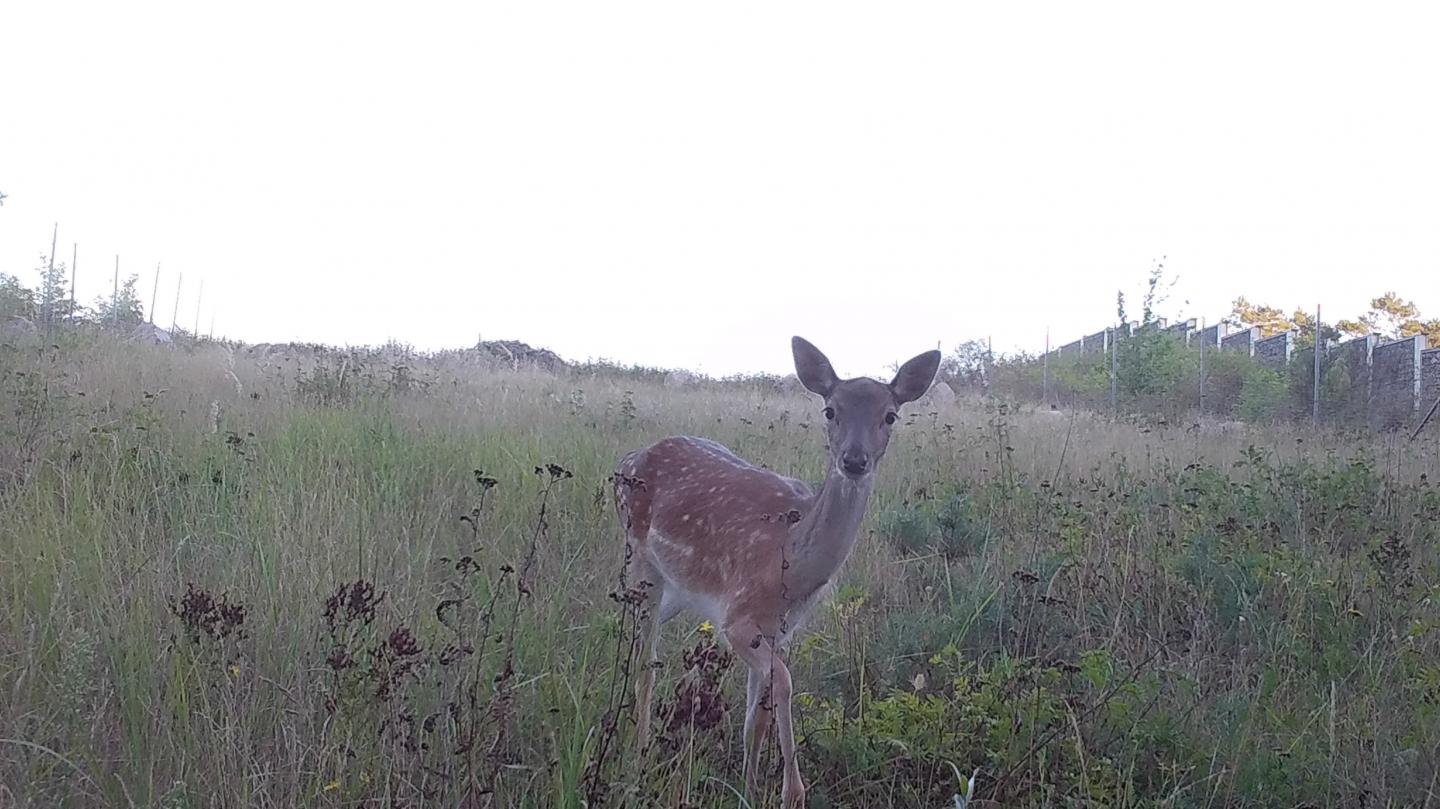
(822, 540)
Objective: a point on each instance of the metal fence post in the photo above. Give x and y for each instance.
(1315, 401)
(1202, 364)
(1115, 370)
(1045, 371)
(989, 363)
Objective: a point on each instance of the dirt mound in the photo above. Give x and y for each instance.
(151, 334)
(17, 329)
(522, 355)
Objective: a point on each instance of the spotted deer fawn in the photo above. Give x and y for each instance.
(752, 551)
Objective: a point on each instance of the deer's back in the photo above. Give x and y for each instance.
(697, 493)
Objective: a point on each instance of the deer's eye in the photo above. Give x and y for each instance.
(829, 414)
(890, 418)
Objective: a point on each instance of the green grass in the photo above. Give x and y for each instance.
(1089, 613)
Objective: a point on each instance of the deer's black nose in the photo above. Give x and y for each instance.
(854, 463)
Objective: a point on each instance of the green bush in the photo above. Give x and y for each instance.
(1262, 395)
(947, 523)
(1154, 364)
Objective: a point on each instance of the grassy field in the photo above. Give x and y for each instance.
(235, 582)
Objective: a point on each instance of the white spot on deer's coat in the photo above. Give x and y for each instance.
(681, 548)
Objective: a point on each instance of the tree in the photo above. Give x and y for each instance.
(1392, 317)
(1304, 324)
(1359, 327)
(53, 297)
(1272, 321)
(968, 365)
(1393, 313)
(123, 310)
(16, 300)
(1154, 293)
(1430, 328)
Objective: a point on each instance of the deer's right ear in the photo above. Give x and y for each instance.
(812, 368)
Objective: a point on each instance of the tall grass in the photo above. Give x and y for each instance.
(233, 581)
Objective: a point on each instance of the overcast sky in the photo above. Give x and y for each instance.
(685, 184)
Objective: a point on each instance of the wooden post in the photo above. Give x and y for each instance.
(1425, 420)
(199, 296)
(1045, 371)
(989, 363)
(154, 294)
(45, 288)
(175, 317)
(1202, 363)
(1115, 370)
(74, 262)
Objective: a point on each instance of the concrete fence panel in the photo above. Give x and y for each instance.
(1243, 341)
(1396, 383)
(1276, 350)
(1429, 378)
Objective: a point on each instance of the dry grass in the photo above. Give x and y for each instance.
(1120, 614)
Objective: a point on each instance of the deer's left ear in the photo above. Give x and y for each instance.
(914, 377)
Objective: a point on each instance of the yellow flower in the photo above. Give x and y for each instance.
(234, 671)
(332, 786)
(706, 627)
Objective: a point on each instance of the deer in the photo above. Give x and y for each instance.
(751, 551)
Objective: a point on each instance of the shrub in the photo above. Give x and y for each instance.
(947, 523)
(1262, 395)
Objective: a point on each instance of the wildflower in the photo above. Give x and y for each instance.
(332, 786)
(706, 627)
(234, 670)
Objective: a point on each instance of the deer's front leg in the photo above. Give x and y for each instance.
(794, 788)
(758, 716)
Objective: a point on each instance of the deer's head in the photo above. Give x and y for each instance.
(861, 412)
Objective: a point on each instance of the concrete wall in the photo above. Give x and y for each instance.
(1346, 379)
(1396, 382)
(1367, 379)
(1210, 336)
(1182, 329)
(1276, 350)
(1243, 341)
(1429, 379)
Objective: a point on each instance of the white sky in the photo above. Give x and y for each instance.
(686, 184)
